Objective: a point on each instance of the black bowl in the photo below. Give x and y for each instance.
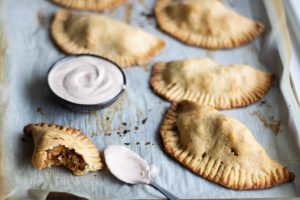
(84, 107)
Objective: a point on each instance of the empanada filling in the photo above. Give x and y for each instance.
(60, 155)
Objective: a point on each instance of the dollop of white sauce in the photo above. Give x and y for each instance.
(86, 80)
(128, 166)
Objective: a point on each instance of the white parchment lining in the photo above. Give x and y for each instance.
(29, 54)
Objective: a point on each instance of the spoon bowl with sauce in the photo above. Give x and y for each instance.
(131, 168)
(86, 82)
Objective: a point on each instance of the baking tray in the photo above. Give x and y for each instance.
(28, 52)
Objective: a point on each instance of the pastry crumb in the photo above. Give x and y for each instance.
(107, 134)
(93, 134)
(148, 16)
(40, 110)
(144, 120)
(41, 19)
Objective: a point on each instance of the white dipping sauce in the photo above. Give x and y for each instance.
(86, 80)
(127, 165)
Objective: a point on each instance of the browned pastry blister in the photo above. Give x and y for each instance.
(219, 148)
(206, 23)
(96, 34)
(94, 5)
(206, 82)
(62, 145)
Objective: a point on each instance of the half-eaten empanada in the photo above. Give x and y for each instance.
(100, 35)
(206, 23)
(204, 81)
(219, 148)
(61, 145)
(95, 5)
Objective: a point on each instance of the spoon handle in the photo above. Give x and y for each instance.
(163, 191)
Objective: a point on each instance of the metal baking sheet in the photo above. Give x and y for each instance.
(28, 52)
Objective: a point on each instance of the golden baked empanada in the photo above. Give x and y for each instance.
(206, 23)
(219, 148)
(100, 35)
(204, 81)
(95, 5)
(61, 145)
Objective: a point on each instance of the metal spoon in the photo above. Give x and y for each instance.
(131, 168)
(162, 190)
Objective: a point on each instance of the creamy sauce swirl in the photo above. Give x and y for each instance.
(86, 80)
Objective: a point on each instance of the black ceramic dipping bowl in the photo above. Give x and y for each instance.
(84, 107)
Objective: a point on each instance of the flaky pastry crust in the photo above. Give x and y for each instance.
(206, 23)
(219, 148)
(206, 82)
(62, 145)
(103, 36)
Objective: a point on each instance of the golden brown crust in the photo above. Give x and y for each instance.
(138, 47)
(28, 129)
(211, 86)
(232, 159)
(93, 5)
(48, 136)
(205, 23)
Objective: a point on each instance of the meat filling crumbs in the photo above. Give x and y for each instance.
(60, 155)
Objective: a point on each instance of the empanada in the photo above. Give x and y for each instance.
(204, 81)
(61, 145)
(219, 148)
(206, 23)
(95, 5)
(100, 35)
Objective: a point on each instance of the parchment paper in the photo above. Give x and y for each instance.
(29, 53)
